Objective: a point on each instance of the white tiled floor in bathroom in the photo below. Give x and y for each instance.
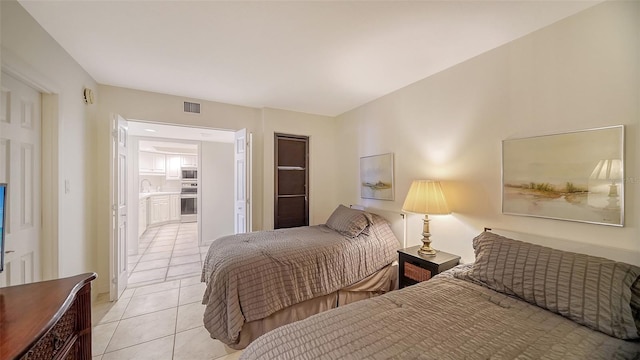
(160, 314)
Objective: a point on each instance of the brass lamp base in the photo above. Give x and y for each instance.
(426, 248)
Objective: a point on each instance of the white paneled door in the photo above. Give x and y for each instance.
(119, 206)
(20, 127)
(242, 188)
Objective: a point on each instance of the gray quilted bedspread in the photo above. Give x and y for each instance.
(251, 276)
(444, 318)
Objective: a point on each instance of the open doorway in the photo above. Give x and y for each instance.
(181, 197)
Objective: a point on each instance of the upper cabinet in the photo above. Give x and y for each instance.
(190, 160)
(173, 167)
(165, 164)
(151, 163)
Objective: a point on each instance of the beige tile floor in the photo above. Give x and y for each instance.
(165, 253)
(158, 317)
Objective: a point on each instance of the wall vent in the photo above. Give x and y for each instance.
(191, 107)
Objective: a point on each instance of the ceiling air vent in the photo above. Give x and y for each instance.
(191, 107)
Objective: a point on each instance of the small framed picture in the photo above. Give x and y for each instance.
(376, 177)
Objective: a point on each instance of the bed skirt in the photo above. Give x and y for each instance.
(375, 284)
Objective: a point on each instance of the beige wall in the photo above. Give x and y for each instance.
(30, 51)
(321, 131)
(580, 73)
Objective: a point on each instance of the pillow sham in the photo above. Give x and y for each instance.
(589, 290)
(348, 222)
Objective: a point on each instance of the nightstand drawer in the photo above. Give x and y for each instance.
(416, 273)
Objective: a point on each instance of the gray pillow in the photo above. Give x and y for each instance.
(348, 222)
(635, 302)
(589, 290)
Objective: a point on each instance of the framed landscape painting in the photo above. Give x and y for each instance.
(376, 177)
(575, 176)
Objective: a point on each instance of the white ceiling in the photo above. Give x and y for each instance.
(167, 147)
(321, 57)
(161, 131)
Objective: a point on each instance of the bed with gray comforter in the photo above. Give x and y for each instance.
(251, 276)
(517, 301)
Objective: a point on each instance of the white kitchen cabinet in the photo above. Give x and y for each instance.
(175, 209)
(151, 163)
(189, 160)
(142, 216)
(159, 211)
(158, 162)
(173, 167)
(145, 161)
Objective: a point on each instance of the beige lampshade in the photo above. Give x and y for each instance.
(426, 197)
(609, 169)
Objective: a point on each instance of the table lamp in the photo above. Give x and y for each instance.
(426, 197)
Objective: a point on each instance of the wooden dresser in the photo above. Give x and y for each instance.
(47, 320)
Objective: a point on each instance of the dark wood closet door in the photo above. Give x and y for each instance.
(291, 181)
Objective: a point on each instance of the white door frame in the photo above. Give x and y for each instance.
(14, 66)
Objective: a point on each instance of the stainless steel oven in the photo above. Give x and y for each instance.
(189, 201)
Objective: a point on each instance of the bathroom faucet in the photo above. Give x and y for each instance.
(142, 185)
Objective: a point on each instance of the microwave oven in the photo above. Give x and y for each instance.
(189, 173)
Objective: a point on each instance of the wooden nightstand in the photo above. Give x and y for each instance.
(414, 268)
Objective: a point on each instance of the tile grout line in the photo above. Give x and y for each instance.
(144, 252)
(130, 346)
(175, 328)
(113, 333)
(166, 274)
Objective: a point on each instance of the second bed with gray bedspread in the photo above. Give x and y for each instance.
(251, 276)
(418, 323)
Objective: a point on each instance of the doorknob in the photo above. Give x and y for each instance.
(9, 251)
